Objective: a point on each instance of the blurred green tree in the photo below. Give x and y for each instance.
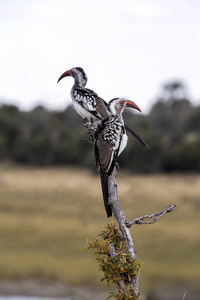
(43, 137)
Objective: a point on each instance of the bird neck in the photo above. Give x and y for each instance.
(118, 117)
(114, 109)
(79, 81)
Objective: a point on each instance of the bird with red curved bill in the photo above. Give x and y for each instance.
(87, 103)
(110, 141)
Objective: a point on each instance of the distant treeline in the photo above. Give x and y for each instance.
(43, 137)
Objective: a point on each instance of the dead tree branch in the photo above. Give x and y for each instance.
(156, 217)
(119, 216)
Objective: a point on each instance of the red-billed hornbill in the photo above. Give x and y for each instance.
(110, 141)
(87, 103)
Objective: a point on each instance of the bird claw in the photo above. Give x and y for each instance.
(92, 128)
(86, 122)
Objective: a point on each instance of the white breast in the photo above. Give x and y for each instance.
(82, 111)
(123, 144)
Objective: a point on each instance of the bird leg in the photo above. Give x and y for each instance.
(92, 127)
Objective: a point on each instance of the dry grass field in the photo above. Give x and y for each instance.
(46, 215)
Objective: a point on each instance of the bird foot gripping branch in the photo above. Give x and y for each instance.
(92, 128)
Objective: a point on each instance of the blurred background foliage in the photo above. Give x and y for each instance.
(45, 138)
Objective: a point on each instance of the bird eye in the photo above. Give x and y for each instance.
(122, 102)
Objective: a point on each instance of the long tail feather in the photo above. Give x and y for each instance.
(136, 136)
(104, 185)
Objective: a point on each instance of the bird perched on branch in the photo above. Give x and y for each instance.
(87, 103)
(109, 143)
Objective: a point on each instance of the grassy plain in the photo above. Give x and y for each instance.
(47, 214)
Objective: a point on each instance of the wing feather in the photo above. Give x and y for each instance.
(105, 154)
(91, 102)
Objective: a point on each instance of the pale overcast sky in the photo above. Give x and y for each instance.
(128, 48)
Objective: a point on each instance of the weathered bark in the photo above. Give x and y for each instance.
(159, 215)
(119, 216)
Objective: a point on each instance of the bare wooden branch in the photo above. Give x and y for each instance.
(118, 213)
(119, 216)
(184, 295)
(156, 217)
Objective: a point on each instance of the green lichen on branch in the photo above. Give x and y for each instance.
(119, 267)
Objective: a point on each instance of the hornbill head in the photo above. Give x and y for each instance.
(117, 105)
(78, 74)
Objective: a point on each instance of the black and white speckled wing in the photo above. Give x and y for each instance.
(88, 104)
(109, 143)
